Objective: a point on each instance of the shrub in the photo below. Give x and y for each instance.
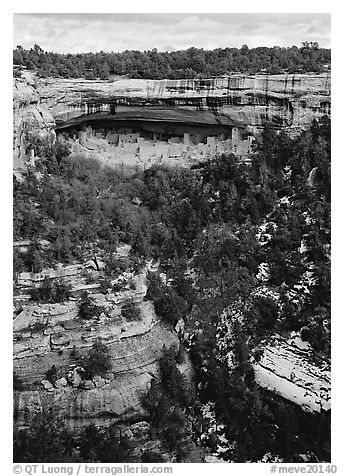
(61, 291)
(315, 334)
(105, 445)
(37, 327)
(180, 354)
(267, 312)
(18, 264)
(131, 311)
(118, 287)
(43, 292)
(75, 354)
(132, 284)
(155, 286)
(105, 284)
(170, 306)
(49, 151)
(17, 383)
(87, 308)
(97, 362)
(173, 382)
(49, 291)
(89, 277)
(115, 266)
(34, 261)
(166, 402)
(51, 374)
(152, 456)
(45, 440)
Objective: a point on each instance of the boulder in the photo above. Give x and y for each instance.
(71, 325)
(312, 177)
(24, 320)
(61, 383)
(114, 312)
(60, 339)
(126, 432)
(98, 381)
(53, 330)
(87, 385)
(47, 385)
(180, 326)
(74, 377)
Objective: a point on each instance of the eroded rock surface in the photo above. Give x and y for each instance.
(290, 369)
(29, 117)
(289, 100)
(47, 335)
(236, 100)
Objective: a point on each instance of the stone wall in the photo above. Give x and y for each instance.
(130, 148)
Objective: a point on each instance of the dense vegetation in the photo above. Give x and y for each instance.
(190, 63)
(212, 228)
(48, 440)
(97, 361)
(58, 291)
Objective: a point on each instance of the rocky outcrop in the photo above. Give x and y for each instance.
(238, 100)
(289, 368)
(52, 335)
(284, 365)
(118, 396)
(247, 101)
(29, 117)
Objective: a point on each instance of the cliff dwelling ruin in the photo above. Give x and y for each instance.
(146, 143)
(138, 123)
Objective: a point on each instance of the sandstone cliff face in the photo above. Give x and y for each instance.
(289, 369)
(47, 334)
(290, 100)
(238, 100)
(117, 397)
(28, 116)
(287, 365)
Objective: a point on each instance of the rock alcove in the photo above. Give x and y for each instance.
(144, 143)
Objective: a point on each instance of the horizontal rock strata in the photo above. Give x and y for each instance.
(239, 100)
(289, 368)
(289, 100)
(53, 334)
(134, 362)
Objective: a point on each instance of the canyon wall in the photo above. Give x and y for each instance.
(290, 101)
(46, 334)
(29, 117)
(53, 334)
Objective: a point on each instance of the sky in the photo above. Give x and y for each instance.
(85, 32)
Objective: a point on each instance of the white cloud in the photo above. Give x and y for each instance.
(194, 23)
(82, 33)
